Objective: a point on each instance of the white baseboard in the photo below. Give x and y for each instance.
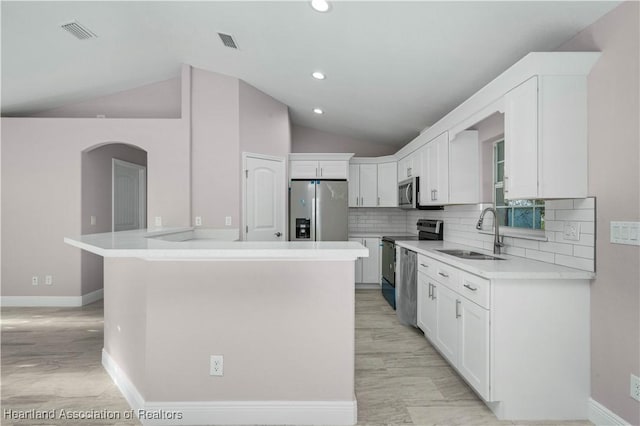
(600, 415)
(52, 301)
(231, 412)
(127, 388)
(94, 296)
(44, 301)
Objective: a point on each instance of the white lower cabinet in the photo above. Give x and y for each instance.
(455, 325)
(427, 308)
(521, 343)
(368, 268)
(473, 345)
(446, 338)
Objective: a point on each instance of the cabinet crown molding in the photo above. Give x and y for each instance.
(321, 156)
(534, 63)
(373, 160)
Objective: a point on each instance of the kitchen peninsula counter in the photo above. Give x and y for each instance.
(281, 314)
(190, 243)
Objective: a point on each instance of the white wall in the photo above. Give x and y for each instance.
(614, 179)
(264, 123)
(306, 139)
(155, 100)
(215, 148)
(41, 191)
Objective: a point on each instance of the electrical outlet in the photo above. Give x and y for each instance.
(635, 387)
(571, 231)
(227, 220)
(34, 280)
(48, 279)
(158, 221)
(198, 220)
(216, 366)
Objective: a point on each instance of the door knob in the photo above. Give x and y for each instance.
(278, 234)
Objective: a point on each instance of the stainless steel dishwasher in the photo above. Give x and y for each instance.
(407, 288)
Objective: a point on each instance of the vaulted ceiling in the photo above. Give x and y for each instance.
(392, 67)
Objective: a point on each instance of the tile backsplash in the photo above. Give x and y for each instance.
(569, 230)
(377, 220)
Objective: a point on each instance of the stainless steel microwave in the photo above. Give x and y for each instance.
(408, 193)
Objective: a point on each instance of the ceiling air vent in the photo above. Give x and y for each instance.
(78, 31)
(228, 41)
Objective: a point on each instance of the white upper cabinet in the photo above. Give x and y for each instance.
(354, 185)
(363, 185)
(434, 183)
(546, 138)
(410, 166)
(372, 182)
(464, 168)
(387, 184)
(303, 169)
(333, 169)
(319, 166)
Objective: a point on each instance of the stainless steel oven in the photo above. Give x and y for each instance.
(427, 230)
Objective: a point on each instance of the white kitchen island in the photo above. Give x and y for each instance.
(280, 313)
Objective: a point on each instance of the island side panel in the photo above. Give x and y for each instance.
(125, 318)
(285, 329)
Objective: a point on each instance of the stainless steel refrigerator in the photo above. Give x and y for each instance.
(318, 210)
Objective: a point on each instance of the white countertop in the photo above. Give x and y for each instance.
(152, 246)
(379, 234)
(512, 268)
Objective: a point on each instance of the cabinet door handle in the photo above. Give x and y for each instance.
(320, 171)
(458, 309)
(426, 266)
(433, 292)
(442, 274)
(362, 201)
(409, 171)
(357, 201)
(378, 200)
(430, 291)
(435, 195)
(470, 288)
(317, 171)
(506, 187)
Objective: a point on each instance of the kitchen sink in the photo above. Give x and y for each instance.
(468, 254)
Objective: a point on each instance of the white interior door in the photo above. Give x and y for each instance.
(129, 198)
(264, 198)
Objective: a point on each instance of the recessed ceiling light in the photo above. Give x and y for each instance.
(318, 75)
(320, 5)
(318, 111)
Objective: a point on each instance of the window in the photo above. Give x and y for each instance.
(527, 214)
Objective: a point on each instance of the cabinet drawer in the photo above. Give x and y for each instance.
(446, 275)
(426, 265)
(475, 289)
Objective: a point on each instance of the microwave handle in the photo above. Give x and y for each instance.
(408, 189)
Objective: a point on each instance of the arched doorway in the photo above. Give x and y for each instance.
(97, 206)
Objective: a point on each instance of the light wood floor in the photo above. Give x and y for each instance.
(51, 360)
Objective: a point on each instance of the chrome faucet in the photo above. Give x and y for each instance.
(496, 227)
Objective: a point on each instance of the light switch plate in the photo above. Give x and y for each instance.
(158, 221)
(625, 233)
(227, 220)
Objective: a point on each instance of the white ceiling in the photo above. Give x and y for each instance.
(392, 67)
